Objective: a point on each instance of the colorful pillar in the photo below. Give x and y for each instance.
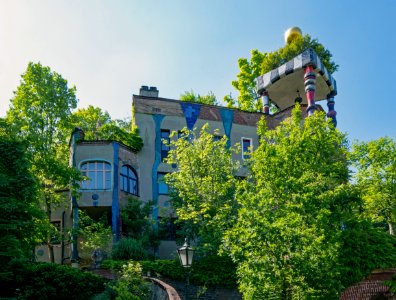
(331, 113)
(309, 83)
(266, 103)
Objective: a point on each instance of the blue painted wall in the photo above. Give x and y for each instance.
(157, 160)
(227, 116)
(115, 205)
(191, 112)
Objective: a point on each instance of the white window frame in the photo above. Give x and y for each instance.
(250, 150)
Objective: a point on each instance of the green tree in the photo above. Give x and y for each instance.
(98, 125)
(375, 164)
(20, 215)
(203, 186)
(40, 113)
(293, 206)
(262, 62)
(96, 234)
(135, 217)
(90, 120)
(190, 96)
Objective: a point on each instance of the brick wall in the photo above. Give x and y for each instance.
(372, 288)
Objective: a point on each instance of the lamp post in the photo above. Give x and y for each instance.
(186, 254)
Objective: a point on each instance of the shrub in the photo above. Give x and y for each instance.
(52, 281)
(129, 249)
(362, 251)
(210, 270)
(131, 284)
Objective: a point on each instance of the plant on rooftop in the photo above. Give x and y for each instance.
(263, 62)
(98, 125)
(190, 96)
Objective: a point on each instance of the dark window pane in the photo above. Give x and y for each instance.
(163, 188)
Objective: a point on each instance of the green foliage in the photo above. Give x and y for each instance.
(138, 224)
(95, 234)
(364, 249)
(51, 281)
(210, 270)
(135, 217)
(392, 284)
(90, 120)
(131, 284)
(98, 125)
(190, 96)
(286, 240)
(261, 63)
(203, 186)
(128, 248)
(375, 162)
(20, 216)
(40, 114)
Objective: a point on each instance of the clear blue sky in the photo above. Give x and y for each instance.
(108, 49)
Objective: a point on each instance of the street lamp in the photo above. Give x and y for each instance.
(186, 254)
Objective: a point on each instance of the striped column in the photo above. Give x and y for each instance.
(266, 103)
(331, 113)
(309, 83)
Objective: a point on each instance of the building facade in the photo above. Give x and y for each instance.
(115, 172)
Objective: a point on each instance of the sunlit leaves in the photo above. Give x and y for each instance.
(292, 207)
(203, 185)
(261, 63)
(375, 162)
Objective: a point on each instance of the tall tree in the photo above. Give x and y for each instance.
(262, 62)
(375, 164)
(203, 186)
(292, 209)
(40, 113)
(20, 215)
(190, 96)
(98, 125)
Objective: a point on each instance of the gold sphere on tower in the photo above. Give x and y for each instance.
(292, 33)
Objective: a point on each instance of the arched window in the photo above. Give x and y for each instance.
(98, 173)
(129, 180)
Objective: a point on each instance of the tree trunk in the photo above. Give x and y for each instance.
(391, 232)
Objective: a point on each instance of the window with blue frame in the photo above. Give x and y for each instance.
(165, 140)
(98, 175)
(247, 145)
(129, 180)
(163, 188)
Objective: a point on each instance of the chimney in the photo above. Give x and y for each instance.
(149, 91)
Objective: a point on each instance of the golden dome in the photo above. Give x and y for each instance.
(292, 33)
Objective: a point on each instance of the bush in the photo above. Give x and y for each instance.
(51, 281)
(210, 270)
(131, 284)
(362, 251)
(129, 248)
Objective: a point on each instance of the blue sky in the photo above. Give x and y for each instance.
(108, 49)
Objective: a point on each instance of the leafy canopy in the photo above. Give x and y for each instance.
(40, 114)
(190, 96)
(262, 62)
(20, 215)
(98, 125)
(286, 239)
(375, 162)
(203, 186)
